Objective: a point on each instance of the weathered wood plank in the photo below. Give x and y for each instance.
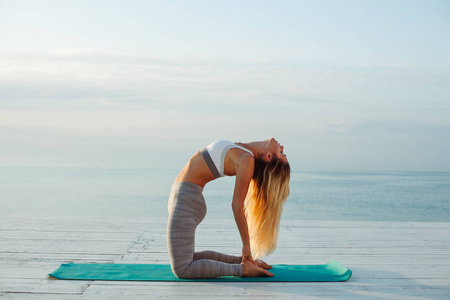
(39, 235)
(19, 285)
(60, 257)
(26, 269)
(5, 296)
(56, 247)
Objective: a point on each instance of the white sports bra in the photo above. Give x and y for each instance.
(214, 155)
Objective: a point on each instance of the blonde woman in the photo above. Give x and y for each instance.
(262, 186)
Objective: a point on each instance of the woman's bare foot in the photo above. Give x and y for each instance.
(251, 270)
(262, 264)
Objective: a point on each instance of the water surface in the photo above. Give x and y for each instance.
(370, 196)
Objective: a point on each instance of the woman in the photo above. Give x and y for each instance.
(262, 186)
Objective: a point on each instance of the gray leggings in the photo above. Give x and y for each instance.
(187, 208)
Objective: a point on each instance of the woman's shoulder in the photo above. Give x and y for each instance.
(242, 159)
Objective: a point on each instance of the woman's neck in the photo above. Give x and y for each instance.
(258, 148)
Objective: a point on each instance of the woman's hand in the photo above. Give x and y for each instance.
(251, 270)
(247, 255)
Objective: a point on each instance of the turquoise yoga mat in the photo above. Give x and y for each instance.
(332, 271)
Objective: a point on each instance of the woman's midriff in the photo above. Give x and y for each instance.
(196, 171)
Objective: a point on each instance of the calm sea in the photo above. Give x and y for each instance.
(371, 196)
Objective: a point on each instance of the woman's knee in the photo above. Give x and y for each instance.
(181, 271)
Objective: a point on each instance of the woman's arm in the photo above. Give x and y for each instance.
(244, 174)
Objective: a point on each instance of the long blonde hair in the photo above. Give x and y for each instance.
(267, 192)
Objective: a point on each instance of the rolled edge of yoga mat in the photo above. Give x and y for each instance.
(332, 271)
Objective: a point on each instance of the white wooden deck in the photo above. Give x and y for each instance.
(389, 260)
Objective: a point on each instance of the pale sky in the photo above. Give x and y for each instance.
(343, 85)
